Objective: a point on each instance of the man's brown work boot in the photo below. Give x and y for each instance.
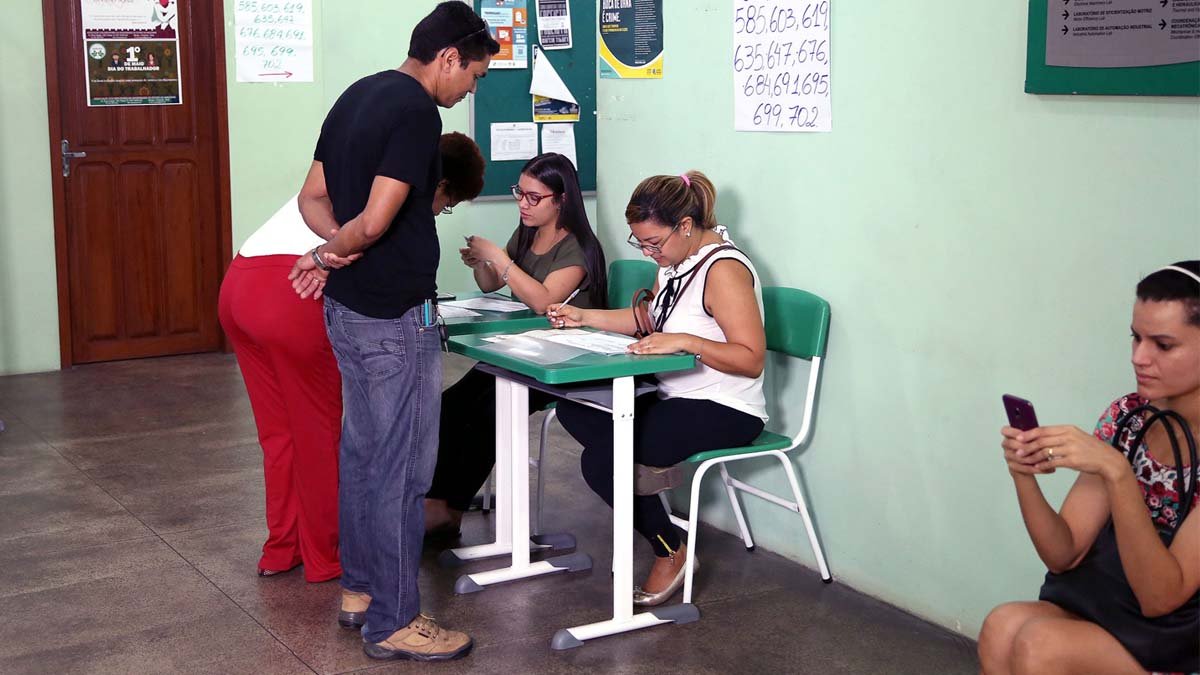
(421, 640)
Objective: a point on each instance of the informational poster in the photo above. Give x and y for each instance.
(552, 100)
(508, 21)
(273, 40)
(514, 140)
(131, 52)
(554, 24)
(781, 65)
(1122, 33)
(631, 39)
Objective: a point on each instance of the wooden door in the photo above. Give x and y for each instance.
(142, 224)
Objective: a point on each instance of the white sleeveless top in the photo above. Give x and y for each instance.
(741, 393)
(283, 234)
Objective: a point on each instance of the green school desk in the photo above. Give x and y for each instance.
(515, 373)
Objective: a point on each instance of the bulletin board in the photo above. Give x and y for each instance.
(1177, 79)
(503, 96)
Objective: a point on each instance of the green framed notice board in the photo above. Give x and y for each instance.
(1177, 79)
(503, 96)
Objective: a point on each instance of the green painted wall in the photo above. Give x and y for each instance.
(28, 290)
(972, 240)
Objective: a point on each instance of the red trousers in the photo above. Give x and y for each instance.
(296, 393)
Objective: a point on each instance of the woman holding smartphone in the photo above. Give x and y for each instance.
(1123, 552)
(552, 253)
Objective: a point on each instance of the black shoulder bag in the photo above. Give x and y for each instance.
(1098, 590)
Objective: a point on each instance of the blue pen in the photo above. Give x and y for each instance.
(426, 311)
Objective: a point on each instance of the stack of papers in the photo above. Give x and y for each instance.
(486, 304)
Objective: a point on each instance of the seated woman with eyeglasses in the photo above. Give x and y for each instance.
(707, 302)
(552, 252)
(1122, 588)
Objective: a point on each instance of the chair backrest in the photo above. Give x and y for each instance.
(625, 277)
(797, 322)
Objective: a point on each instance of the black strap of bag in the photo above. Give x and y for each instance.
(1169, 418)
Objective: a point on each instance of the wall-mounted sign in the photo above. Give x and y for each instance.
(273, 40)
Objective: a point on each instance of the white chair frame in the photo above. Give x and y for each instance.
(732, 486)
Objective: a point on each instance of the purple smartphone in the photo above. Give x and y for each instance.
(1020, 413)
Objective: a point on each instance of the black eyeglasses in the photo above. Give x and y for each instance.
(533, 197)
(654, 249)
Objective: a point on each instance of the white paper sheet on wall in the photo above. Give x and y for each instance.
(560, 138)
(781, 76)
(514, 140)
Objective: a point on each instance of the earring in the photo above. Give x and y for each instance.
(688, 233)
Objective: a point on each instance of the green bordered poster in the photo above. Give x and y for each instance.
(131, 52)
(1114, 47)
(631, 39)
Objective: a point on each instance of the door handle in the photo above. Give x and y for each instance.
(67, 156)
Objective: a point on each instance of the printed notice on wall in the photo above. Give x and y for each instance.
(274, 40)
(513, 141)
(554, 24)
(631, 39)
(131, 52)
(1122, 33)
(781, 65)
(508, 21)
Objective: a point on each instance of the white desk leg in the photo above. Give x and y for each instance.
(512, 496)
(503, 502)
(622, 416)
(623, 619)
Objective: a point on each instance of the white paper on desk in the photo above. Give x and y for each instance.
(560, 138)
(601, 343)
(452, 312)
(514, 140)
(486, 304)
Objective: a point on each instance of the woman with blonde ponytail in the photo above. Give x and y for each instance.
(707, 302)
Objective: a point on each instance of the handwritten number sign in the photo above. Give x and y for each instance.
(781, 65)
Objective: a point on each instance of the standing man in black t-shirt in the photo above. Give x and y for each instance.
(373, 178)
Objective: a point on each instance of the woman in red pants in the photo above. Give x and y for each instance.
(292, 377)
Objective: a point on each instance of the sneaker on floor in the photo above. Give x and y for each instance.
(421, 640)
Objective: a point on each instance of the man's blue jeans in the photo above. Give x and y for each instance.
(391, 391)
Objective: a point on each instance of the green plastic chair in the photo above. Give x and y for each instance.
(625, 277)
(797, 324)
